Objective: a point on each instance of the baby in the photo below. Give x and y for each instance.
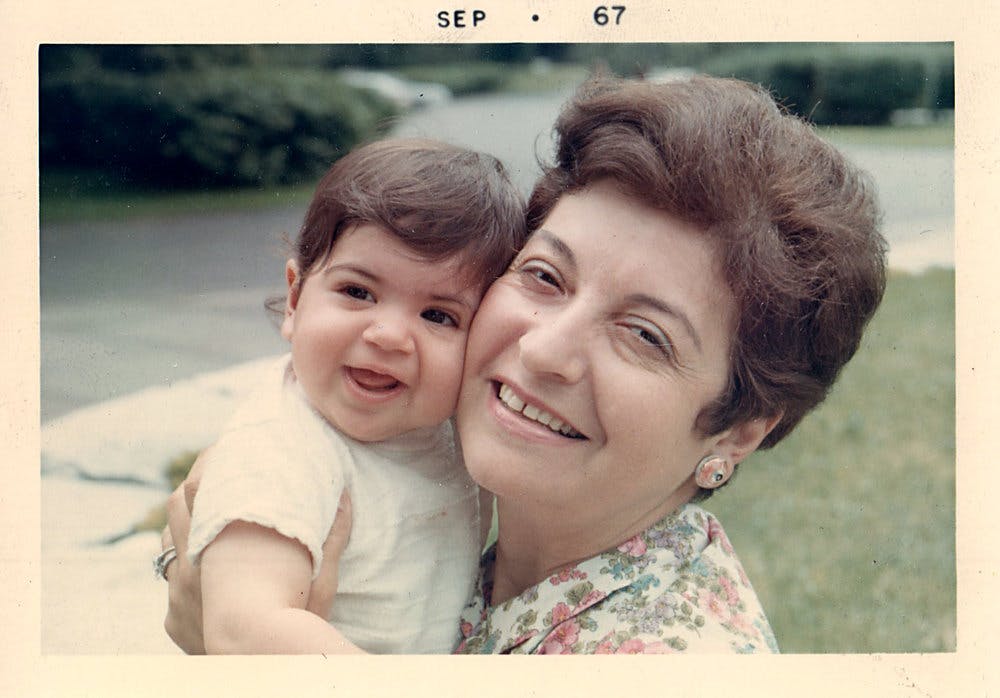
(400, 242)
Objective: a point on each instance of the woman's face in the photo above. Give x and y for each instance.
(590, 359)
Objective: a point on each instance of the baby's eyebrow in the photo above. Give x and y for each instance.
(458, 299)
(343, 266)
(467, 295)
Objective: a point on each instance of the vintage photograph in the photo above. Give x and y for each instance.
(666, 329)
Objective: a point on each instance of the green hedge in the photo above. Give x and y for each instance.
(219, 125)
(854, 84)
(231, 115)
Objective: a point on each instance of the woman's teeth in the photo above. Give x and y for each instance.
(516, 404)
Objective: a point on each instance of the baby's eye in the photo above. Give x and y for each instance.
(439, 317)
(358, 292)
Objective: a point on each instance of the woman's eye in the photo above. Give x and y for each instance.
(653, 338)
(542, 273)
(358, 292)
(439, 317)
(545, 277)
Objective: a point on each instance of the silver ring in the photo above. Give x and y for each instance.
(161, 561)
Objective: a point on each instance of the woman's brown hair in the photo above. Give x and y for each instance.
(795, 224)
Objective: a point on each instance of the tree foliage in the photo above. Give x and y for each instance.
(846, 84)
(207, 116)
(238, 115)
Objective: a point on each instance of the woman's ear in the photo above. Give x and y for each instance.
(294, 281)
(740, 440)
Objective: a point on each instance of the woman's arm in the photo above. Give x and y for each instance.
(183, 621)
(255, 587)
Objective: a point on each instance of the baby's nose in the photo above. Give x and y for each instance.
(390, 334)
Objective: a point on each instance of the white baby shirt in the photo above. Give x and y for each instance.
(410, 564)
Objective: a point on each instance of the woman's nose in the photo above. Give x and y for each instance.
(389, 332)
(555, 344)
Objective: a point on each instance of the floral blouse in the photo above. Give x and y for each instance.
(676, 587)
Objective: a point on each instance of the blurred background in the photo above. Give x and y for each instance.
(170, 174)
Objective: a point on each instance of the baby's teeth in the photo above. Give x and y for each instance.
(532, 412)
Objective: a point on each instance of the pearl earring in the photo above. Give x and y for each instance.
(712, 471)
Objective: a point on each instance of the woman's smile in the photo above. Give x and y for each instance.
(529, 409)
(584, 346)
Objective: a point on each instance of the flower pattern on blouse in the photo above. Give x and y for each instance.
(676, 587)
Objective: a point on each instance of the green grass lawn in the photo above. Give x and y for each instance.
(937, 135)
(69, 196)
(847, 528)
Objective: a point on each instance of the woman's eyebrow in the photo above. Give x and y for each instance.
(556, 243)
(668, 309)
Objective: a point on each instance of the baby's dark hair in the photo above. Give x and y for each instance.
(438, 199)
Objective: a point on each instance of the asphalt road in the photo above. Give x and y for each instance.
(129, 305)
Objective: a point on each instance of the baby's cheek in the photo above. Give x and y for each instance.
(446, 381)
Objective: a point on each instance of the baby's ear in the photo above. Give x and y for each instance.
(294, 281)
(740, 440)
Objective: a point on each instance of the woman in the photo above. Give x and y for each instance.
(702, 267)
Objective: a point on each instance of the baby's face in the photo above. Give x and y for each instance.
(378, 335)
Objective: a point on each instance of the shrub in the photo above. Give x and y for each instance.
(217, 125)
(865, 91)
(943, 96)
(848, 84)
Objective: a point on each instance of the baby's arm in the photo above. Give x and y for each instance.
(255, 585)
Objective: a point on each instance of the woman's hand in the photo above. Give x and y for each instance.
(183, 622)
(324, 587)
(184, 616)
